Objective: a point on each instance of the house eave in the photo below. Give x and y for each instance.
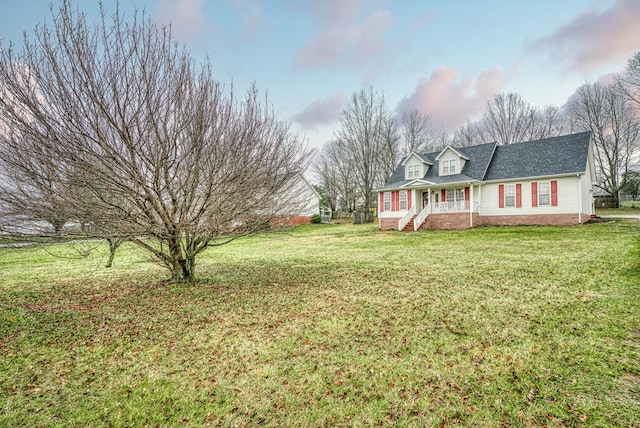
(534, 177)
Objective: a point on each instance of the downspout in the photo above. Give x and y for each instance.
(579, 200)
(470, 204)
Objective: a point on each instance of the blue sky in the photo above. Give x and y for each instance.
(446, 58)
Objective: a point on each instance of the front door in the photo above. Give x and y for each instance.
(425, 199)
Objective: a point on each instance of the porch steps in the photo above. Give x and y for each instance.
(409, 226)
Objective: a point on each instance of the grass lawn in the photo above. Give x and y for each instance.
(330, 325)
(625, 210)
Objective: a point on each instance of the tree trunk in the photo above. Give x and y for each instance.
(114, 243)
(182, 268)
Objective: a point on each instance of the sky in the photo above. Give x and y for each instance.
(444, 58)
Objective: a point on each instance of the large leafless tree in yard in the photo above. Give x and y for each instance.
(362, 124)
(114, 125)
(607, 113)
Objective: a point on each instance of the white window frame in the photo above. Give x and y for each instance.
(403, 200)
(509, 194)
(455, 195)
(449, 166)
(414, 171)
(387, 201)
(546, 195)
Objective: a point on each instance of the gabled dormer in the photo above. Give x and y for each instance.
(415, 166)
(450, 161)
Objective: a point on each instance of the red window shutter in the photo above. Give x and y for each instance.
(534, 194)
(466, 193)
(518, 195)
(554, 193)
(381, 201)
(395, 204)
(501, 196)
(409, 199)
(443, 195)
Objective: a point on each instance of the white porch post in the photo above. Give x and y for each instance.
(470, 205)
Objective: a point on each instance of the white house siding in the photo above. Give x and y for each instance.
(567, 199)
(309, 199)
(451, 155)
(413, 160)
(586, 184)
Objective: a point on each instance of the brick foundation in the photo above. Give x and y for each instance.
(285, 221)
(388, 223)
(542, 219)
(450, 221)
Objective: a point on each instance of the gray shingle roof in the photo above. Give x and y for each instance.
(566, 154)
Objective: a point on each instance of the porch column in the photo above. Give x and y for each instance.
(470, 205)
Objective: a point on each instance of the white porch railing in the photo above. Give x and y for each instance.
(453, 207)
(422, 216)
(407, 218)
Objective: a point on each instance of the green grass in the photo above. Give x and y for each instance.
(622, 210)
(331, 325)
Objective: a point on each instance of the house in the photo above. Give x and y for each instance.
(545, 181)
(302, 202)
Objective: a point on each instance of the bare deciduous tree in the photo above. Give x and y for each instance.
(604, 111)
(416, 132)
(629, 81)
(468, 134)
(361, 127)
(389, 150)
(508, 119)
(115, 125)
(336, 174)
(547, 122)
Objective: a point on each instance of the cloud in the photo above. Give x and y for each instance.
(186, 17)
(251, 17)
(595, 38)
(321, 112)
(347, 34)
(451, 101)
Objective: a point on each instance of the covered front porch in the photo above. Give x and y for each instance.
(435, 207)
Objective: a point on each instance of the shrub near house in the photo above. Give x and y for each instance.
(545, 181)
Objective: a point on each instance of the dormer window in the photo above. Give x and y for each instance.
(449, 166)
(414, 171)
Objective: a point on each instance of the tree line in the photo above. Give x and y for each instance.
(372, 139)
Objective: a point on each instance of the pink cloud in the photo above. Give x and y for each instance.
(596, 38)
(347, 34)
(321, 112)
(186, 18)
(451, 101)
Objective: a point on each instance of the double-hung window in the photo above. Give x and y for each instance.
(449, 166)
(403, 200)
(544, 193)
(414, 171)
(509, 195)
(455, 195)
(387, 201)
